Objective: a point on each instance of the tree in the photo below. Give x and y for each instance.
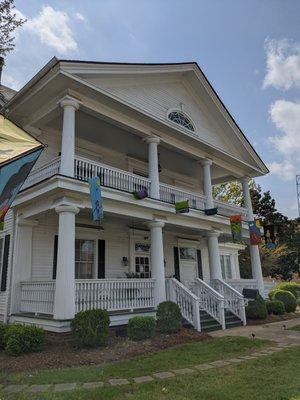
(8, 23)
(282, 262)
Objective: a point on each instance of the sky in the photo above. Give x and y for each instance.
(248, 49)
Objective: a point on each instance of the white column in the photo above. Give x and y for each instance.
(214, 255)
(69, 106)
(64, 300)
(153, 166)
(254, 250)
(157, 261)
(207, 186)
(22, 260)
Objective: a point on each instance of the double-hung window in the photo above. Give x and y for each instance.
(226, 266)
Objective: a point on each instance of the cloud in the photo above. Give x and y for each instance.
(11, 82)
(286, 117)
(79, 16)
(53, 29)
(285, 170)
(283, 64)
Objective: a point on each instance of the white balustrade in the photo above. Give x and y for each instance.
(240, 284)
(115, 178)
(37, 297)
(114, 295)
(42, 173)
(234, 301)
(210, 301)
(186, 300)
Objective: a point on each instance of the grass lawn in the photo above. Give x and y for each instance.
(273, 377)
(176, 357)
(295, 328)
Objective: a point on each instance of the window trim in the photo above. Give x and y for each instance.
(186, 115)
(231, 265)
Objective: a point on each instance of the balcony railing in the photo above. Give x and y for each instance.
(127, 182)
(112, 295)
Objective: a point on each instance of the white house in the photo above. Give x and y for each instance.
(155, 126)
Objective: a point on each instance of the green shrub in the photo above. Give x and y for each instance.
(21, 339)
(257, 309)
(275, 307)
(90, 328)
(292, 287)
(169, 317)
(288, 299)
(141, 328)
(3, 329)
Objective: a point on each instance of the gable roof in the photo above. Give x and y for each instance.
(75, 65)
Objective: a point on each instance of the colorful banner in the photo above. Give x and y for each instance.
(236, 228)
(269, 237)
(96, 198)
(255, 235)
(182, 207)
(12, 177)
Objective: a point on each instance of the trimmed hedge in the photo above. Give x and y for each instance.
(275, 307)
(169, 318)
(292, 287)
(21, 339)
(141, 328)
(3, 330)
(257, 309)
(90, 328)
(288, 299)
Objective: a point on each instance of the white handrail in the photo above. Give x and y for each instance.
(234, 300)
(187, 301)
(210, 301)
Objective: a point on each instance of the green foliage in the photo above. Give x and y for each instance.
(288, 299)
(141, 328)
(90, 328)
(8, 23)
(21, 339)
(292, 287)
(3, 330)
(257, 309)
(169, 318)
(275, 307)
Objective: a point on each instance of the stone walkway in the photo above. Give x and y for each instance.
(275, 332)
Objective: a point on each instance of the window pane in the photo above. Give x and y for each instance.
(84, 258)
(187, 253)
(223, 267)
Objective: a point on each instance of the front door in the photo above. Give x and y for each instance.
(188, 265)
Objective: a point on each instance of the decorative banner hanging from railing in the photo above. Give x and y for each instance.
(254, 230)
(96, 198)
(270, 237)
(140, 194)
(182, 207)
(236, 228)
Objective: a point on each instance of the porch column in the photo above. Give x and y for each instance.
(69, 106)
(254, 250)
(153, 166)
(64, 300)
(157, 261)
(214, 255)
(207, 186)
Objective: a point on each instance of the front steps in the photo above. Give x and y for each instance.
(209, 324)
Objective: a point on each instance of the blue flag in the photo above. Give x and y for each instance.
(96, 198)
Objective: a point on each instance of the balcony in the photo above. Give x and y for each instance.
(125, 181)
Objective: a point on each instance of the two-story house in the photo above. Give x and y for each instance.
(156, 126)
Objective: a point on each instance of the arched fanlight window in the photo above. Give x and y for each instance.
(181, 119)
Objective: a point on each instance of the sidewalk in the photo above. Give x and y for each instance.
(274, 331)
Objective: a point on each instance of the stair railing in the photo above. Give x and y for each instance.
(210, 301)
(234, 300)
(186, 300)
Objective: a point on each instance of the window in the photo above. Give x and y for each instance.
(181, 119)
(142, 267)
(142, 248)
(84, 258)
(1, 256)
(226, 266)
(187, 253)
